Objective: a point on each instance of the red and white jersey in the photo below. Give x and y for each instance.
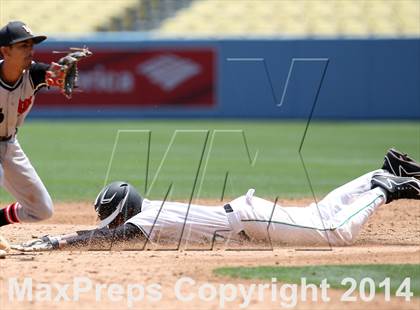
(16, 100)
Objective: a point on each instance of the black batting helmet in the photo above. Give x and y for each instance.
(117, 201)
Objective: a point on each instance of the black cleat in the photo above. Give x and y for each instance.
(397, 187)
(400, 164)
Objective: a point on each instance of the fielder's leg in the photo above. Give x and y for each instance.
(21, 180)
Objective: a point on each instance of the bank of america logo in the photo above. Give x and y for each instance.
(169, 71)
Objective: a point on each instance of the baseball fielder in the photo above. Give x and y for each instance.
(20, 80)
(337, 220)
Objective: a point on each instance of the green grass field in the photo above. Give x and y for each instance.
(333, 274)
(73, 157)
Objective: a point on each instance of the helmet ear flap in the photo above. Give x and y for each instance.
(117, 202)
(132, 203)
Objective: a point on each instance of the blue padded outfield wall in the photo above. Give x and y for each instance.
(365, 79)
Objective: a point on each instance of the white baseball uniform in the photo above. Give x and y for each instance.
(18, 176)
(338, 219)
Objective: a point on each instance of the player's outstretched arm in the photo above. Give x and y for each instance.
(102, 237)
(96, 237)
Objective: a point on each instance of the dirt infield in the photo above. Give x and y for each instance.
(392, 235)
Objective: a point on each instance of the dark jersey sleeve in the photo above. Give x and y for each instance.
(37, 73)
(105, 237)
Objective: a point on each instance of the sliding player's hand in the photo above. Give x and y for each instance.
(45, 243)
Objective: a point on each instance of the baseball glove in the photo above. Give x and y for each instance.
(64, 74)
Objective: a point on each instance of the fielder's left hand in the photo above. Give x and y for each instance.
(64, 73)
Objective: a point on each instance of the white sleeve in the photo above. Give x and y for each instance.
(151, 222)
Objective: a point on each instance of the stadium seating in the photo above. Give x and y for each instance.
(63, 16)
(296, 18)
(343, 18)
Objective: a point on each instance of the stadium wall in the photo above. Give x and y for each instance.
(364, 79)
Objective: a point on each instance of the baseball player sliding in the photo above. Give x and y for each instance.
(20, 80)
(337, 220)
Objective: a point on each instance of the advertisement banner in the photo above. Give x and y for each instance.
(139, 78)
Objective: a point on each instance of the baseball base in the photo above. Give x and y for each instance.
(3, 254)
(4, 245)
